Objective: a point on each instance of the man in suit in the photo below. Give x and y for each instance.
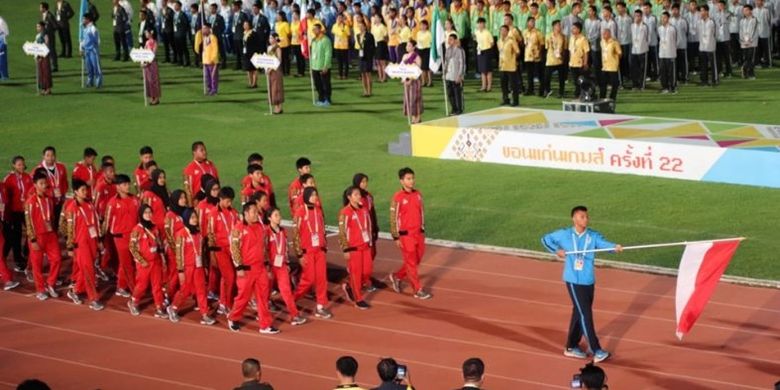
(239, 17)
(473, 374)
(64, 14)
(250, 369)
(196, 25)
(166, 29)
(119, 22)
(92, 11)
(51, 27)
(218, 29)
(261, 26)
(181, 28)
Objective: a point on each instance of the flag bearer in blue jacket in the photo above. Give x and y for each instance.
(580, 279)
(90, 49)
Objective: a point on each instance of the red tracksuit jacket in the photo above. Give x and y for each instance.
(121, 215)
(293, 192)
(355, 230)
(58, 180)
(104, 191)
(308, 224)
(277, 246)
(38, 214)
(265, 184)
(173, 224)
(220, 224)
(247, 245)
(17, 188)
(188, 250)
(82, 227)
(142, 179)
(158, 208)
(407, 216)
(86, 173)
(193, 172)
(145, 245)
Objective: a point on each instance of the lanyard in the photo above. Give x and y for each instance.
(192, 240)
(86, 219)
(365, 219)
(151, 236)
(55, 176)
(580, 256)
(316, 225)
(20, 185)
(280, 241)
(46, 213)
(224, 221)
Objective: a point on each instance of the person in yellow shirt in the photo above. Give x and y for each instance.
(556, 45)
(295, 43)
(534, 39)
(507, 65)
(484, 55)
(514, 33)
(404, 35)
(282, 28)
(380, 33)
(210, 60)
(610, 62)
(578, 55)
(423, 39)
(393, 40)
(341, 33)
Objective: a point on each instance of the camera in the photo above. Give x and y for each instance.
(401, 372)
(576, 381)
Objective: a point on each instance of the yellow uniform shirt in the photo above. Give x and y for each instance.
(507, 54)
(210, 50)
(578, 50)
(295, 32)
(340, 36)
(515, 34)
(404, 34)
(379, 31)
(283, 29)
(424, 39)
(555, 44)
(610, 55)
(533, 45)
(484, 40)
(310, 27)
(393, 30)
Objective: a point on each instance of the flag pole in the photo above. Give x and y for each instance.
(143, 73)
(444, 87)
(268, 87)
(37, 76)
(82, 70)
(681, 243)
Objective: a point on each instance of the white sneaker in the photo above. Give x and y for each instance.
(270, 330)
(11, 285)
(52, 292)
(42, 296)
(74, 297)
(96, 306)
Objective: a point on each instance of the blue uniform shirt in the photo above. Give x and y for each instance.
(577, 269)
(91, 40)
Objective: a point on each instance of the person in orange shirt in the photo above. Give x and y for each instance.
(210, 60)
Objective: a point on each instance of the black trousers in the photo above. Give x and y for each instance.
(286, 61)
(652, 62)
(681, 65)
(582, 316)
(749, 63)
(322, 84)
(181, 55)
(238, 48)
(120, 45)
(625, 72)
(638, 71)
(667, 75)
(693, 56)
(613, 80)
(67, 42)
(548, 71)
(534, 69)
(520, 68)
(52, 45)
(300, 62)
(510, 83)
(167, 39)
(708, 67)
(455, 96)
(12, 230)
(736, 51)
(222, 47)
(342, 57)
(723, 55)
(575, 74)
(762, 53)
(594, 62)
(465, 43)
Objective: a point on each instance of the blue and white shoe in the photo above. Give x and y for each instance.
(600, 356)
(575, 353)
(326, 103)
(318, 103)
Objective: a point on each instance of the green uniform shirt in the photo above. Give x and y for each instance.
(321, 53)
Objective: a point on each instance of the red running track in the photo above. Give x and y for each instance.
(511, 312)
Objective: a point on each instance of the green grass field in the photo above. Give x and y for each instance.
(482, 203)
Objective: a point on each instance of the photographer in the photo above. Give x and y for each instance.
(591, 377)
(393, 376)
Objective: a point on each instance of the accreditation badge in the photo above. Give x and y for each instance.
(47, 226)
(579, 264)
(278, 260)
(199, 261)
(366, 237)
(315, 240)
(57, 193)
(93, 232)
(153, 249)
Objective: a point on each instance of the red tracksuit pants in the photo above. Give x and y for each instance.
(5, 273)
(48, 245)
(194, 283)
(84, 256)
(109, 253)
(315, 274)
(412, 250)
(172, 278)
(125, 274)
(144, 276)
(254, 283)
(227, 276)
(360, 267)
(282, 276)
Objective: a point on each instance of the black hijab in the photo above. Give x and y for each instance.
(174, 205)
(161, 191)
(147, 224)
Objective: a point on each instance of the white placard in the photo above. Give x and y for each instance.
(141, 55)
(403, 71)
(35, 49)
(265, 61)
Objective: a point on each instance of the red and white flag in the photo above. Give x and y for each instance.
(701, 267)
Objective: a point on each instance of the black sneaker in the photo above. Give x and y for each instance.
(323, 313)
(269, 330)
(133, 308)
(206, 320)
(348, 291)
(160, 313)
(233, 326)
(298, 320)
(362, 305)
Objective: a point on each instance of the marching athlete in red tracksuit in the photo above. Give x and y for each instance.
(189, 268)
(407, 226)
(306, 180)
(83, 242)
(195, 170)
(141, 176)
(85, 171)
(157, 198)
(58, 181)
(310, 246)
(355, 240)
(41, 237)
(220, 223)
(256, 181)
(360, 180)
(121, 217)
(278, 257)
(247, 246)
(6, 277)
(303, 165)
(173, 223)
(18, 186)
(105, 190)
(207, 200)
(146, 247)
